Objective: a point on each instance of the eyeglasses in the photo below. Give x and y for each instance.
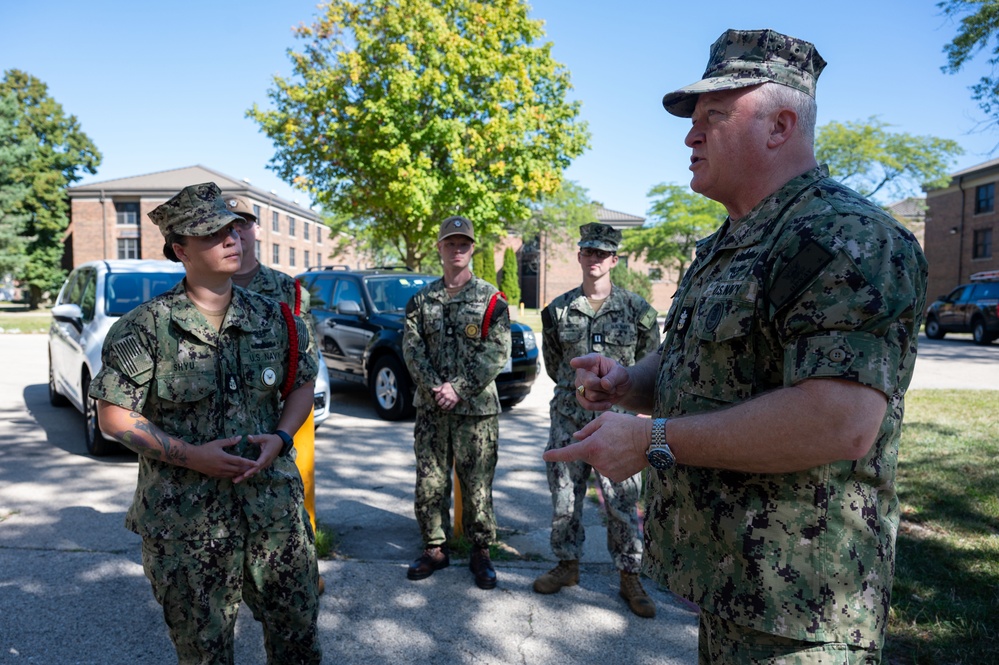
(589, 252)
(243, 224)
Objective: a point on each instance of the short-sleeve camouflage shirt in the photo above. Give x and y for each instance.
(165, 361)
(814, 282)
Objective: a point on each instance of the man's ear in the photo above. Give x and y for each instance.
(783, 127)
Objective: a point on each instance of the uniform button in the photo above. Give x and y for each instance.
(837, 355)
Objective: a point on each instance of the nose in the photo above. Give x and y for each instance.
(694, 137)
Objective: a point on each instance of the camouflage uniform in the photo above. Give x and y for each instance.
(209, 543)
(624, 330)
(443, 342)
(279, 286)
(815, 282)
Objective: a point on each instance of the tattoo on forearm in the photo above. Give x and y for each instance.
(146, 439)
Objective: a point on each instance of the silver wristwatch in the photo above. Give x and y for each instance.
(659, 455)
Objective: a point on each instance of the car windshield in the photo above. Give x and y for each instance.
(124, 291)
(390, 293)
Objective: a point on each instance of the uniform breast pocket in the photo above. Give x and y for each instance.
(185, 387)
(574, 341)
(263, 378)
(722, 330)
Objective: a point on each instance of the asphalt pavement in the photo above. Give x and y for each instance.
(72, 588)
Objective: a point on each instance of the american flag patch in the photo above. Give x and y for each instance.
(132, 358)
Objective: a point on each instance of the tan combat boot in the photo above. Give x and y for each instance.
(566, 573)
(638, 600)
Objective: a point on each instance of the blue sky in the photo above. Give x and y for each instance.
(162, 85)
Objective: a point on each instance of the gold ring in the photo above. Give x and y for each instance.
(581, 389)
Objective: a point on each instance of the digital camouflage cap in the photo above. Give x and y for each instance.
(741, 58)
(599, 236)
(456, 226)
(197, 210)
(240, 205)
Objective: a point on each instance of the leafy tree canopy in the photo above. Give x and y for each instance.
(403, 112)
(632, 280)
(868, 157)
(510, 284)
(979, 27)
(60, 154)
(15, 156)
(559, 214)
(678, 218)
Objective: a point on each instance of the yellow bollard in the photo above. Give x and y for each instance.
(459, 530)
(305, 460)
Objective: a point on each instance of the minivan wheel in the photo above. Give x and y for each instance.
(390, 389)
(933, 330)
(97, 445)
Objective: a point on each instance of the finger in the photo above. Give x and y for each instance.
(586, 431)
(569, 453)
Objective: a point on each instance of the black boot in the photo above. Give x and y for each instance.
(482, 568)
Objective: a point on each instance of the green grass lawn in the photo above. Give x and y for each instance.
(16, 319)
(945, 601)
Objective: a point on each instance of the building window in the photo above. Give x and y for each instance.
(656, 274)
(128, 248)
(985, 198)
(275, 255)
(256, 249)
(983, 244)
(306, 229)
(275, 223)
(127, 213)
(291, 257)
(291, 227)
(305, 259)
(256, 211)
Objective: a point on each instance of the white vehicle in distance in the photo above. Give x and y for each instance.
(94, 296)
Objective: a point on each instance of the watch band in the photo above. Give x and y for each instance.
(659, 455)
(288, 442)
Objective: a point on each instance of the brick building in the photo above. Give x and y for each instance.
(108, 220)
(961, 222)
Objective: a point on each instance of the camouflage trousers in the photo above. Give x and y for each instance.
(200, 584)
(469, 445)
(567, 482)
(722, 642)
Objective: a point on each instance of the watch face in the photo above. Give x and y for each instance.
(661, 458)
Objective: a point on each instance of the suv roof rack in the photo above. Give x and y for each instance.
(404, 268)
(986, 276)
(335, 266)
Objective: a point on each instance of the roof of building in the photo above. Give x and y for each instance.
(618, 219)
(913, 207)
(167, 183)
(977, 167)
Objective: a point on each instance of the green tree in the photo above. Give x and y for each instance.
(678, 218)
(15, 157)
(484, 263)
(558, 215)
(61, 154)
(403, 112)
(626, 278)
(868, 157)
(979, 26)
(510, 284)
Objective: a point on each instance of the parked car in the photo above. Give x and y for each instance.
(94, 296)
(358, 316)
(972, 307)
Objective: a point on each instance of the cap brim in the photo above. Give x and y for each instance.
(681, 102)
(456, 233)
(209, 226)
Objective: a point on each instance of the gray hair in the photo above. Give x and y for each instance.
(776, 96)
